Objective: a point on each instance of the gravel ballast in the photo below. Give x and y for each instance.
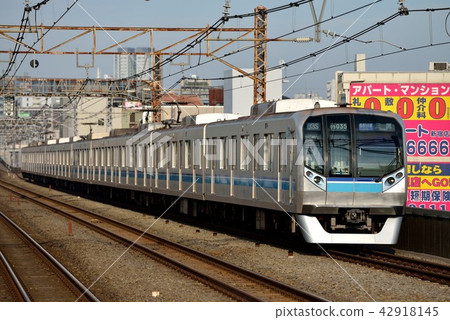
(114, 273)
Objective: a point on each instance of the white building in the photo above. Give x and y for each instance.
(143, 62)
(238, 91)
(132, 63)
(124, 64)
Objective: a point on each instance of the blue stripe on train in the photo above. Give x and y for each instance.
(353, 185)
(334, 184)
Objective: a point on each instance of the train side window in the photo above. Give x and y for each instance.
(222, 152)
(187, 154)
(102, 156)
(162, 155)
(282, 152)
(268, 152)
(174, 154)
(179, 153)
(244, 153)
(139, 156)
(148, 157)
(206, 146)
(231, 152)
(257, 165)
(116, 156)
(154, 155)
(108, 157)
(198, 147)
(123, 156)
(130, 156)
(213, 153)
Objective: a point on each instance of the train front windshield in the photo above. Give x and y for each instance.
(376, 142)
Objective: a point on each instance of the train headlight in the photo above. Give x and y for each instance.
(317, 179)
(399, 175)
(309, 174)
(390, 181)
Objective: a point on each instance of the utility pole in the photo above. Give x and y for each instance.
(260, 54)
(157, 78)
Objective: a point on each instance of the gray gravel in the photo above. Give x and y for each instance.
(115, 274)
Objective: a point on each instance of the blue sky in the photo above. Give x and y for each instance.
(416, 29)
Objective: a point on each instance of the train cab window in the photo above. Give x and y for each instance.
(339, 145)
(313, 144)
(378, 147)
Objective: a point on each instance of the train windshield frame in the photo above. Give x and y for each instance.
(329, 142)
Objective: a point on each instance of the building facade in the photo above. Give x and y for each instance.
(238, 91)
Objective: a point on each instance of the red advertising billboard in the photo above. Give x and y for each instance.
(425, 108)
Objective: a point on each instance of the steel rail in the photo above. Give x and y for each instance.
(64, 272)
(219, 285)
(13, 279)
(397, 264)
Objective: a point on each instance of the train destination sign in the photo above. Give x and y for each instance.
(425, 108)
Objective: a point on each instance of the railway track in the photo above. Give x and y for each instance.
(12, 290)
(408, 266)
(238, 283)
(31, 273)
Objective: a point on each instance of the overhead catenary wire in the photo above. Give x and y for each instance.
(279, 37)
(216, 26)
(381, 55)
(31, 48)
(25, 21)
(345, 40)
(294, 61)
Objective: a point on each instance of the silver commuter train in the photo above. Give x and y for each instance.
(338, 174)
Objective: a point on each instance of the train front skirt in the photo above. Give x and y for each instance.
(313, 232)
